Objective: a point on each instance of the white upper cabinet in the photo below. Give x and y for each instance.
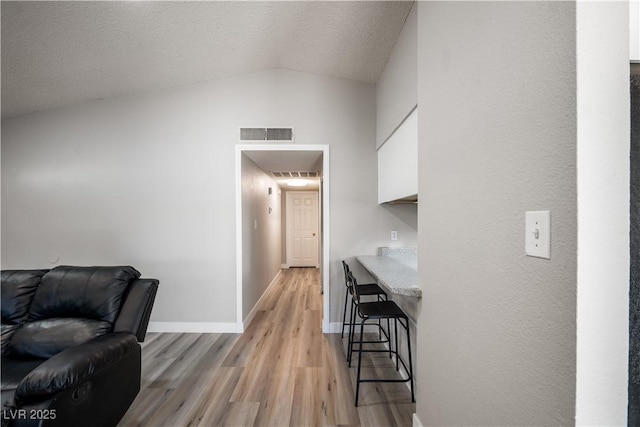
(397, 118)
(398, 163)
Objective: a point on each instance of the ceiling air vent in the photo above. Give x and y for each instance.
(266, 134)
(297, 174)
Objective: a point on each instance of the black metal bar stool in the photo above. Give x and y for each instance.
(378, 310)
(365, 289)
(369, 289)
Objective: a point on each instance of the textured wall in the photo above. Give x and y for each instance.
(634, 294)
(147, 180)
(497, 132)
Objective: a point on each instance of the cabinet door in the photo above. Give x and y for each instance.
(398, 162)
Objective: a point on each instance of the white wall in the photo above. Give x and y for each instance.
(603, 213)
(397, 91)
(634, 26)
(260, 233)
(496, 334)
(147, 180)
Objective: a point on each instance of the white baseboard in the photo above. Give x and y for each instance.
(195, 327)
(416, 421)
(335, 328)
(254, 310)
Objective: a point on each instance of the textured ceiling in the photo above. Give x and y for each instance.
(57, 53)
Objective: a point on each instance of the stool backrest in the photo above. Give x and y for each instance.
(353, 287)
(345, 267)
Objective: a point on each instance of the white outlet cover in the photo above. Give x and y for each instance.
(538, 234)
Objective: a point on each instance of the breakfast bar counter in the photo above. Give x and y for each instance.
(399, 275)
(396, 270)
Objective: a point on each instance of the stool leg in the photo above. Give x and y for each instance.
(380, 323)
(389, 330)
(395, 321)
(344, 314)
(351, 331)
(350, 340)
(413, 399)
(359, 362)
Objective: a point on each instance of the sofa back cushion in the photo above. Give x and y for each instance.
(82, 292)
(18, 289)
(45, 338)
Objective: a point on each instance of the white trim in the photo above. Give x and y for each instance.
(634, 27)
(326, 208)
(239, 235)
(602, 122)
(254, 310)
(334, 328)
(326, 260)
(416, 421)
(195, 327)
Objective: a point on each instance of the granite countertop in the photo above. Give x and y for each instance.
(398, 274)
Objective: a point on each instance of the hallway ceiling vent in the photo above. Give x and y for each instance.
(266, 135)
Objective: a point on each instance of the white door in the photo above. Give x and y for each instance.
(302, 228)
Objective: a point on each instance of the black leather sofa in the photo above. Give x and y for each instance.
(70, 352)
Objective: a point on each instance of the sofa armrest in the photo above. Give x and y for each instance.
(136, 308)
(75, 365)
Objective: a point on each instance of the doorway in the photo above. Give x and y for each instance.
(282, 157)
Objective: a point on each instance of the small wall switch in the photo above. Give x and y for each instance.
(538, 234)
(394, 235)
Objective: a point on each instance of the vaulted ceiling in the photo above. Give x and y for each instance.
(57, 53)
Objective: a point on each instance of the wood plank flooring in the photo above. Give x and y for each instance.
(282, 371)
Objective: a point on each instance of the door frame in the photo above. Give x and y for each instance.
(318, 225)
(324, 195)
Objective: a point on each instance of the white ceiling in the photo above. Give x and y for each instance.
(289, 161)
(302, 161)
(57, 53)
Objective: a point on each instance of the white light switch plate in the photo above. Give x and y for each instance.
(538, 234)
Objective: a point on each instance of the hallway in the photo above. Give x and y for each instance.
(281, 371)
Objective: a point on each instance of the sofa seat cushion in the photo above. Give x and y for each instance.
(45, 338)
(82, 292)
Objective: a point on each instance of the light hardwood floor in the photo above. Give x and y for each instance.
(281, 371)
